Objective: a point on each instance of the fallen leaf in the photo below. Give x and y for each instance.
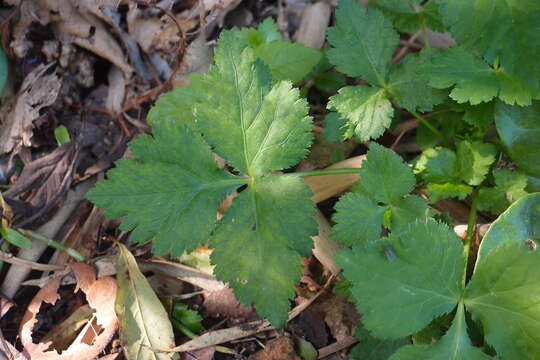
(17, 124)
(144, 323)
(281, 348)
(96, 334)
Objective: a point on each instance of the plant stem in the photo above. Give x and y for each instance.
(324, 172)
(471, 223)
(54, 244)
(432, 128)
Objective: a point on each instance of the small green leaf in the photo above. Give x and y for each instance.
(144, 323)
(61, 135)
(438, 165)
(518, 224)
(187, 317)
(269, 31)
(509, 186)
(412, 280)
(448, 190)
(259, 241)
(15, 238)
(455, 345)
(363, 42)
(474, 160)
(305, 349)
(503, 296)
(358, 219)
(288, 61)
(519, 130)
(367, 109)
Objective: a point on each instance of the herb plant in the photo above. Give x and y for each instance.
(407, 273)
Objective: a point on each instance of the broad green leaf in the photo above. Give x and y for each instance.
(509, 186)
(15, 238)
(175, 106)
(384, 176)
(363, 42)
(144, 323)
(448, 190)
(367, 109)
(358, 219)
(455, 345)
(259, 241)
(370, 348)
(518, 224)
(400, 295)
(256, 127)
(288, 61)
(519, 130)
(170, 192)
(410, 16)
(334, 127)
(503, 296)
(407, 210)
(474, 160)
(409, 89)
(502, 31)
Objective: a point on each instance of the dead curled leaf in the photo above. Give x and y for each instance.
(96, 334)
(16, 128)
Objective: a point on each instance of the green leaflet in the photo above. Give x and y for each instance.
(367, 109)
(170, 192)
(259, 241)
(503, 296)
(334, 127)
(517, 225)
(503, 32)
(370, 348)
(519, 130)
(383, 190)
(455, 345)
(176, 106)
(256, 127)
(509, 186)
(363, 42)
(400, 295)
(411, 16)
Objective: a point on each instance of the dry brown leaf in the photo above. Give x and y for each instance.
(198, 58)
(281, 348)
(313, 25)
(100, 294)
(16, 128)
(223, 303)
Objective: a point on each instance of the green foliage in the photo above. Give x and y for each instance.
(186, 320)
(509, 187)
(363, 43)
(4, 68)
(411, 15)
(15, 238)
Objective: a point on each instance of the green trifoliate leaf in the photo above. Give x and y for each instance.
(288, 61)
(455, 345)
(399, 273)
(175, 107)
(503, 296)
(370, 348)
(474, 160)
(170, 191)
(384, 175)
(257, 127)
(409, 89)
(509, 186)
(358, 219)
(367, 109)
(363, 42)
(501, 31)
(519, 130)
(411, 16)
(475, 81)
(519, 224)
(260, 240)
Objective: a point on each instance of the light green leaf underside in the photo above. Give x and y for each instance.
(506, 30)
(519, 223)
(409, 89)
(503, 296)
(144, 323)
(472, 79)
(288, 61)
(367, 109)
(454, 345)
(259, 242)
(384, 175)
(170, 192)
(256, 127)
(363, 42)
(400, 295)
(519, 130)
